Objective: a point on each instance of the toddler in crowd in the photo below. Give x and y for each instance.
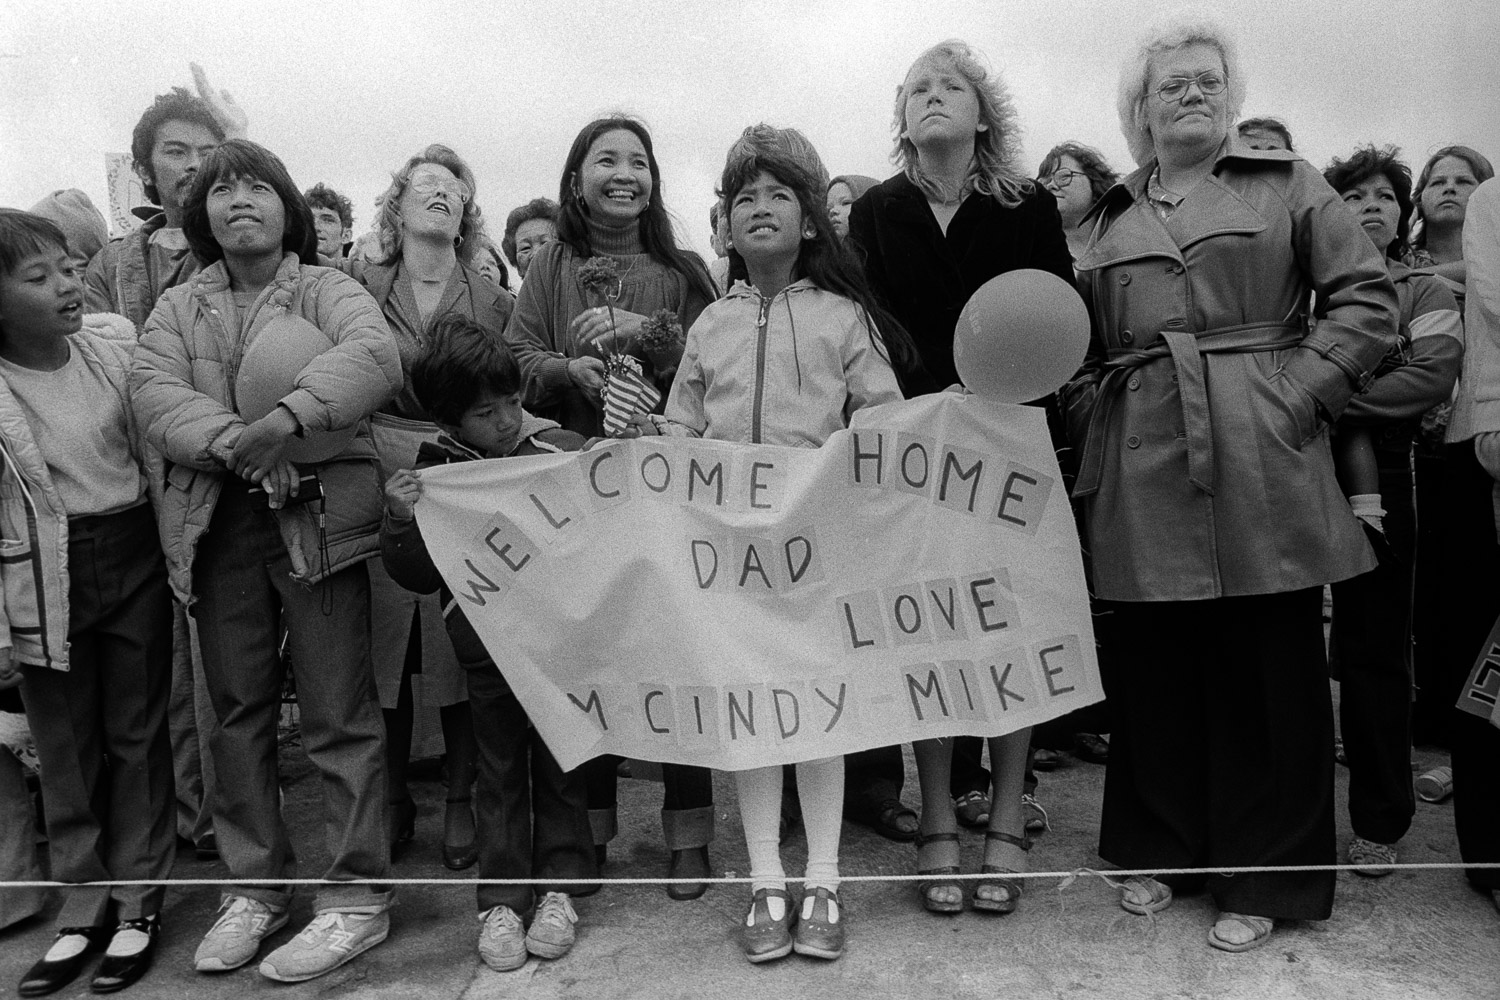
(533, 817)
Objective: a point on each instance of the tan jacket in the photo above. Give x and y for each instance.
(1202, 410)
(181, 389)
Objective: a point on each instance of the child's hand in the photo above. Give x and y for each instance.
(402, 491)
(592, 327)
(641, 425)
(587, 373)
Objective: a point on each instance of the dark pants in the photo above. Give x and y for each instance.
(101, 726)
(1370, 650)
(687, 805)
(1476, 807)
(533, 817)
(969, 773)
(871, 778)
(1458, 561)
(242, 578)
(1221, 753)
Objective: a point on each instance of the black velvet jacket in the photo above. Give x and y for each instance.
(924, 277)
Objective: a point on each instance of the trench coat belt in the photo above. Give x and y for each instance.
(1185, 349)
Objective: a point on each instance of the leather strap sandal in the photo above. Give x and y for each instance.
(765, 938)
(1013, 888)
(926, 887)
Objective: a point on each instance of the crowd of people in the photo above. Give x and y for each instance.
(213, 431)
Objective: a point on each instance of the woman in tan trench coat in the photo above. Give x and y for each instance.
(1211, 510)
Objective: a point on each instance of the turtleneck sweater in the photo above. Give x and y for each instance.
(540, 331)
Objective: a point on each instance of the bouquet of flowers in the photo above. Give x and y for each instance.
(661, 338)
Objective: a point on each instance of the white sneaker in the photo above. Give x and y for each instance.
(502, 939)
(236, 937)
(552, 932)
(332, 939)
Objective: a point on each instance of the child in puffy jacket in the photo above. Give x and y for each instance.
(785, 357)
(533, 817)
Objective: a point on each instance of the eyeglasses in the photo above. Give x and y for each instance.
(1061, 177)
(431, 184)
(1174, 88)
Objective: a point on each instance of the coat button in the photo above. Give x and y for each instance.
(1134, 383)
(1126, 337)
(1124, 279)
(1132, 442)
(1181, 435)
(1174, 268)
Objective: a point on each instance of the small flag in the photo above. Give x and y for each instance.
(626, 390)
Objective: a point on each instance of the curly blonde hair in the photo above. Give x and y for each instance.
(388, 221)
(997, 148)
(1135, 75)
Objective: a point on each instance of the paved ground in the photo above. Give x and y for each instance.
(1411, 935)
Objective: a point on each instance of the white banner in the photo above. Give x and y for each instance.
(733, 606)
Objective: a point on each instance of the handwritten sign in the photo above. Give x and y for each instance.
(734, 606)
(1481, 693)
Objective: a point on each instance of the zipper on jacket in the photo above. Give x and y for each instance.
(760, 366)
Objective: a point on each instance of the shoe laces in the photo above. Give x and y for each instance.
(556, 910)
(322, 924)
(1028, 801)
(499, 919)
(239, 913)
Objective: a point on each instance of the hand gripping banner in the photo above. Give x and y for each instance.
(733, 605)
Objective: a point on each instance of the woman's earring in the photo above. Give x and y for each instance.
(458, 241)
(809, 233)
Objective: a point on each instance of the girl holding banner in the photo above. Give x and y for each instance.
(611, 204)
(789, 276)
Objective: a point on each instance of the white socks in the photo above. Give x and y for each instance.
(820, 786)
(66, 947)
(1367, 508)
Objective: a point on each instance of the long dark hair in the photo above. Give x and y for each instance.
(825, 260)
(237, 158)
(655, 224)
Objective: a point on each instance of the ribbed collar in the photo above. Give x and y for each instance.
(615, 242)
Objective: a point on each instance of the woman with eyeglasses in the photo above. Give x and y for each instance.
(1077, 175)
(1210, 506)
(431, 241)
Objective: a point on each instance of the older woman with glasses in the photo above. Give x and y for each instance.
(1210, 505)
(431, 241)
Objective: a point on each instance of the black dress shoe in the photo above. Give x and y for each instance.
(689, 863)
(117, 972)
(48, 977)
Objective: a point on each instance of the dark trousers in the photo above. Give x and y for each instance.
(242, 579)
(1476, 807)
(871, 778)
(1221, 753)
(1370, 650)
(101, 726)
(1458, 561)
(687, 805)
(533, 816)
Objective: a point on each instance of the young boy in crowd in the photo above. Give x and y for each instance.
(533, 818)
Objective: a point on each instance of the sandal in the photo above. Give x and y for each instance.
(884, 822)
(925, 888)
(1157, 894)
(1259, 926)
(766, 939)
(972, 809)
(1013, 887)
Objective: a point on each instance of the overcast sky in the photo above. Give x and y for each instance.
(344, 92)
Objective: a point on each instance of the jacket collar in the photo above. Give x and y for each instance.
(1233, 148)
(742, 289)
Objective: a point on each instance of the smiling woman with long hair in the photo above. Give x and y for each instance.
(250, 551)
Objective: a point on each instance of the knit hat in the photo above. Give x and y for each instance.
(76, 216)
(788, 143)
